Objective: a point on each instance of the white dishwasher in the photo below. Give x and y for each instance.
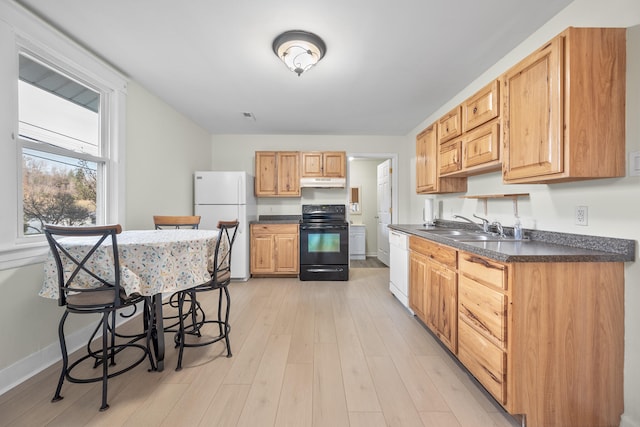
(399, 266)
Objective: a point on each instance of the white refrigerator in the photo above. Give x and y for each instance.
(227, 196)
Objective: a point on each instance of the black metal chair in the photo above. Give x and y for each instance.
(175, 221)
(85, 289)
(165, 222)
(220, 279)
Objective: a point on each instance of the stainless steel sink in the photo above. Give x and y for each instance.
(482, 238)
(446, 232)
(465, 235)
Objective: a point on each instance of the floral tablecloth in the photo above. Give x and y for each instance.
(151, 261)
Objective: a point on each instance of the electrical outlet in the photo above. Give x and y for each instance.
(582, 215)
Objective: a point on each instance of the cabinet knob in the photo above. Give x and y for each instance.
(475, 110)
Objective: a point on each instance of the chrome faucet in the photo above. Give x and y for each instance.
(498, 227)
(484, 226)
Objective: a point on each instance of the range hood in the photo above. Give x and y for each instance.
(321, 182)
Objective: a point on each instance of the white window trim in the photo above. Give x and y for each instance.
(34, 35)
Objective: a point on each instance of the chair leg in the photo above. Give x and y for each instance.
(220, 325)
(65, 357)
(113, 336)
(226, 321)
(105, 357)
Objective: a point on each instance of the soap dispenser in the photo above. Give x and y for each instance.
(517, 229)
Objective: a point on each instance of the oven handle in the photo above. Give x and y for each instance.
(324, 270)
(322, 227)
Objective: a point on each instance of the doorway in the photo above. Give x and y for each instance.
(362, 175)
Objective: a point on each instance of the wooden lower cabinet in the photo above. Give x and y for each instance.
(482, 322)
(275, 250)
(433, 288)
(545, 339)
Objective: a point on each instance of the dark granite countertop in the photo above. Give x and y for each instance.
(277, 219)
(541, 246)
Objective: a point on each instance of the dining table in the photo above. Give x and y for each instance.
(153, 263)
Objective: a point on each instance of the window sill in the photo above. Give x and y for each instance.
(21, 256)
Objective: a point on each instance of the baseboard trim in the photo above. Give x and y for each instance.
(37, 362)
(626, 421)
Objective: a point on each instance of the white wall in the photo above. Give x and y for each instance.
(614, 207)
(164, 149)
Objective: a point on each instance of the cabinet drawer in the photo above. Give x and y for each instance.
(481, 107)
(442, 254)
(450, 156)
(450, 125)
(483, 308)
(274, 228)
(483, 270)
(484, 360)
(481, 146)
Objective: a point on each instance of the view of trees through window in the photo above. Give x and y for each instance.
(57, 190)
(60, 139)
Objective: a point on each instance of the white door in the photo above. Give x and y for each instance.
(384, 210)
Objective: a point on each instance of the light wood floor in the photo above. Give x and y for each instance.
(304, 354)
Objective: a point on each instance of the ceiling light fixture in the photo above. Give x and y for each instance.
(299, 50)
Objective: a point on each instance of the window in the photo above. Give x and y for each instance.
(59, 137)
(62, 132)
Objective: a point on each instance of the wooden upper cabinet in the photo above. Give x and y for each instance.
(324, 164)
(427, 161)
(451, 156)
(450, 125)
(289, 173)
(481, 148)
(428, 179)
(481, 107)
(266, 174)
(564, 109)
(277, 174)
(312, 164)
(471, 144)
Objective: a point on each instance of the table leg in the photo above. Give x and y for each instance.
(157, 329)
(160, 331)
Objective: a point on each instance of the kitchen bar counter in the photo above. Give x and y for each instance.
(541, 246)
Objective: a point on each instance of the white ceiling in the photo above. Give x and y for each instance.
(389, 64)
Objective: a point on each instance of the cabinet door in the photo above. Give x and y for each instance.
(288, 173)
(533, 108)
(442, 310)
(312, 164)
(450, 125)
(266, 176)
(417, 280)
(286, 253)
(481, 107)
(262, 253)
(426, 161)
(334, 164)
(481, 146)
(450, 156)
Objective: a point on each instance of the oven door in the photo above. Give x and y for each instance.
(324, 244)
